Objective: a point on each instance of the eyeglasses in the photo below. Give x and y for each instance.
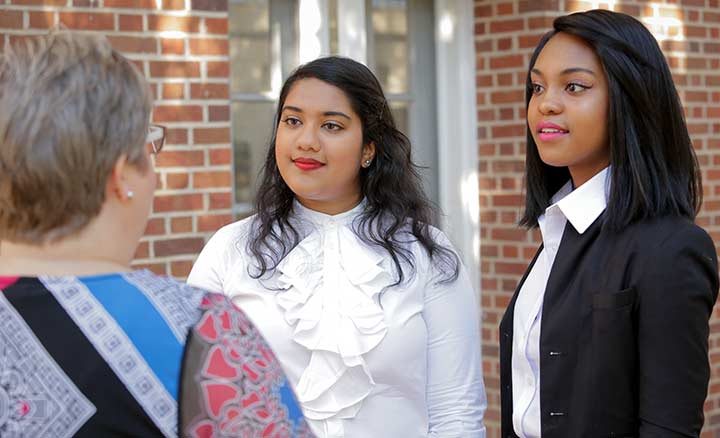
(156, 137)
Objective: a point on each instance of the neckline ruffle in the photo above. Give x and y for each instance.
(331, 281)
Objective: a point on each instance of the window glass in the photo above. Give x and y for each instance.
(390, 38)
(250, 46)
(400, 114)
(252, 130)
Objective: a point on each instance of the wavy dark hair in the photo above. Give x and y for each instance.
(654, 167)
(396, 205)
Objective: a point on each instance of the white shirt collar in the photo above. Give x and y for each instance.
(321, 219)
(582, 206)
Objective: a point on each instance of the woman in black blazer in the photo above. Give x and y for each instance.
(607, 333)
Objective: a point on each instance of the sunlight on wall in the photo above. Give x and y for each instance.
(471, 203)
(666, 25)
(276, 78)
(311, 32)
(173, 34)
(608, 4)
(446, 28)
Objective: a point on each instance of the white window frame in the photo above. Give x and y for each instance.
(457, 129)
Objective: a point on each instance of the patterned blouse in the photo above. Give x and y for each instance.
(138, 355)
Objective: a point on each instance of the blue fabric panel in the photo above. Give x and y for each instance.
(143, 325)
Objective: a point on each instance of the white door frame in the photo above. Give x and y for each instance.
(457, 129)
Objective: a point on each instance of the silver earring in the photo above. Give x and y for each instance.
(130, 194)
(367, 163)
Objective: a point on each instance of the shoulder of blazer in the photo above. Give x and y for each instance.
(662, 243)
(655, 233)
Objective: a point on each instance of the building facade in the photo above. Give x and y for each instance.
(454, 71)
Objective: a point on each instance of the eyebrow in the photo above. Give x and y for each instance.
(568, 71)
(326, 113)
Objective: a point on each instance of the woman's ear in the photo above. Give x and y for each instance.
(368, 152)
(117, 184)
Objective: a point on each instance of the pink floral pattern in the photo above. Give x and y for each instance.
(242, 389)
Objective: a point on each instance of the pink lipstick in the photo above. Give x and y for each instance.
(549, 131)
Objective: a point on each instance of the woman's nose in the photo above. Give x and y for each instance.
(550, 103)
(308, 139)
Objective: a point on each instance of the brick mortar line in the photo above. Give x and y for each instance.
(195, 102)
(185, 214)
(176, 80)
(194, 124)
(152, 238)
(515, 35)
(126, 33)
(193, 191)
(222, 147)
(212, 147)
(191, 13)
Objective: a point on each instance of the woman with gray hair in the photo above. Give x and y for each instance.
(89, 347)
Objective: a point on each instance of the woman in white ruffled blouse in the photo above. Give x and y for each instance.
(365, 304)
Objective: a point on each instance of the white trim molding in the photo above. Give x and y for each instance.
(314, 32)
(352, 41)
(457, 130)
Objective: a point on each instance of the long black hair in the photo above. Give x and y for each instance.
(395, 202)
(654, 167)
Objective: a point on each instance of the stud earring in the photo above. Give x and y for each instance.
(130, 194)
(367, 163)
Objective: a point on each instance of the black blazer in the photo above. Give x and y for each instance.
(624, 333)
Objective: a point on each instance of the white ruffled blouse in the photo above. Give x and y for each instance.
(404, 363)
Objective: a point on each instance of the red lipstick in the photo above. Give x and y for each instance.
(307, 163)
(549, 131)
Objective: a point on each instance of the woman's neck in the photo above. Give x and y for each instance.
(55, 259)
(333, 207)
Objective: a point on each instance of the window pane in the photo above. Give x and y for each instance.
(252, 124)
(390, 39)
(400, 114)
(250, 48)
(333, 26)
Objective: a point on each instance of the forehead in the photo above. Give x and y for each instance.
(564, 51)
(312, 94)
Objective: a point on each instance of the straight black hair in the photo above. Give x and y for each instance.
(654, 167)
(396, 209)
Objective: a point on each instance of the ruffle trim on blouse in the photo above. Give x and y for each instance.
(332, 280)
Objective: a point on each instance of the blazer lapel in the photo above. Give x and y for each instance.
(563, 272)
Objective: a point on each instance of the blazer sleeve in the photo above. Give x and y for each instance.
(455, 392)
(676, 294)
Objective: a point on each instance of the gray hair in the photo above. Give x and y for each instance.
(70, 107)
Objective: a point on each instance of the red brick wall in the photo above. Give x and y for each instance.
(182, 47)
(505, 34)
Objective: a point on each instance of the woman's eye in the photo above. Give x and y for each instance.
(575, 88)
(536, 88)
(330, 126)
(291, 121)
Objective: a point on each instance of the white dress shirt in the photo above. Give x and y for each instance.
(581, 207)
(401, 363)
